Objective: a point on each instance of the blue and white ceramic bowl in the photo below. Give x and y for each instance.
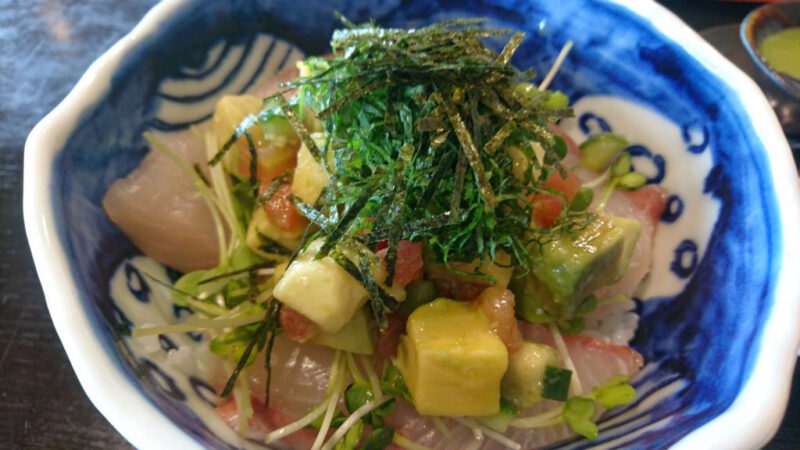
(719, 317)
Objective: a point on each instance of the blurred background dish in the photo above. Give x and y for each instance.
(771, 37)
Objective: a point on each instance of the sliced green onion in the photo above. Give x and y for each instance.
(633, 180)
(555, 385)
(622, 165)
(601, 149)
(557, 100)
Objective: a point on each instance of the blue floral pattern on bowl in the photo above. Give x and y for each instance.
(717, 246)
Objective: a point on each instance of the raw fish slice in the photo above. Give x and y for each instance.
(644, 205)
(299, 379)
(595, 359)
(263, 421)
(270, 85)
(158, 207)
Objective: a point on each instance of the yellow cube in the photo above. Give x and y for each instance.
(451, 360)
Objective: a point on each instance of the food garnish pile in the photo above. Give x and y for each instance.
(407, 217)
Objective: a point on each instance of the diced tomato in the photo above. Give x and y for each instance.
(568, 186)
(546, 209)
(652, 199)
(390, 339)
(497, 304)
(297, 326)
(282, 213)
(408, 265)
(268, 168)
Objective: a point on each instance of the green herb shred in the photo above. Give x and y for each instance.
(416, 127)
(416, 122)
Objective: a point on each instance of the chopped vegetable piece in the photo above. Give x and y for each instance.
(274, 142)
(632, 180)
(546, 210)
(264, 236)
(570, 267)
(556, 383)
(297, 326)
(601, 149)
(389, 339)
(321, 290)
(497, 304)
(557, 100)
(417, 294)
(310, 176)
(357, 336)
(282, 213)
(451, 360)
(408, 264)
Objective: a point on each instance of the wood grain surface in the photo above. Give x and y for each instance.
(45, 45)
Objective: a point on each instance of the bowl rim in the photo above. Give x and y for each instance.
(107, 385)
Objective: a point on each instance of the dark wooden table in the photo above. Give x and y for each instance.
(45, 46)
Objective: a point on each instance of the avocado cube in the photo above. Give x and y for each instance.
(451, 360)
(570, 267)
(321, 290)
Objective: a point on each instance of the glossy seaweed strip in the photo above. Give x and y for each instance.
(273, 187)
(396, 210)
(345, 222)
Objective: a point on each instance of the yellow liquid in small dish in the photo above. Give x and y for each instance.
(782, 51)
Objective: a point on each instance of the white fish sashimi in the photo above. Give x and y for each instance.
(299, 380)
(158, 206)
(629, 204)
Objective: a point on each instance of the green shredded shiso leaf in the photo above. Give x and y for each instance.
(416, 122)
